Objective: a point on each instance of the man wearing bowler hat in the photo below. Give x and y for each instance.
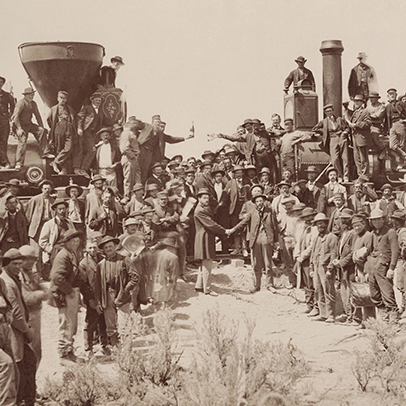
(323, 252)
(384, 256)
(23, 125)
(262, 235)
(205, 247)
(334, 131)
(298, 75)
(6, 110)
(61, 121)
(359, 122)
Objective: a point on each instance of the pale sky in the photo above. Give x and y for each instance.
(214, 62)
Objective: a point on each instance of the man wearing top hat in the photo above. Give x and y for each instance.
(66, 283)
(381, 270)
(76, 207)
(23, 125)
(334, 131)
(39, 209)
(108, 74)
(298, 75)
(362, 78)
(52, 232)
(61, 121)
(359, 122)
(89, 122)
(6, 110)
(21, 333)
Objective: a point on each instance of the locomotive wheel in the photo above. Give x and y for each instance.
(34, 174)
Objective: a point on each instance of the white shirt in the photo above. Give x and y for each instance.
(105, 156)
(218, 187)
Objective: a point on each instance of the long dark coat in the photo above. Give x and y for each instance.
(206, 230)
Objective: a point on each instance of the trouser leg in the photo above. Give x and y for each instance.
(89, 150)
(207, 265)
(345, 295)
(344, 158)
(68, 322)
(110, 314)
(386, 288)
(91, 324)
(21, 148)
(4, 134)
(27, 368)
(8, 380)
(330, 294)
(319, 277)
(335, 152)
(257, 264)
(308, 284)
(129, 170)
(40, 135)
(65, 153)
(123, 320)
(145, 162)
(35, 323)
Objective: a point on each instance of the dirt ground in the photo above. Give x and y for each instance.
(329, 348)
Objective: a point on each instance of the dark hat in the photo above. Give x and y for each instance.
(300, 59)
(117, 127)
(117, 59)
(386, 186)
(216, 169)
(137, 186)
(179, 170)
(106, 239)
(72, 233)
(238, 168)
(103, 130)
(392, 89)
(288, 120)
(156, 164)
(63, 93)
(57, 202)
(312, 168)
(73, 186)
(358, 217)
(11, 255)
(172, 163)
(28, 90)
(399, 214)
(299, 182)
(374, 94)
(96, 178)
(283, 183)
(257, 185)
(3, 79)
(156, 117)
(320, 217)
(206, 163)
(113, 190)
(256, 121)
(346, 214)
(308, 212)
(177, 156)
(207, 153)
(96, 95)
(46, 182)
(133, 242)
(14, 182)
(247, 121)
(328, 106)
(171, 240)
(203, 191)
(359, 97)
(260, 195)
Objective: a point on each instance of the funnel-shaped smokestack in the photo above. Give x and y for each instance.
(70, 66)
(332, 74)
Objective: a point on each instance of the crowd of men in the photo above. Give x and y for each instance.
(125, 240)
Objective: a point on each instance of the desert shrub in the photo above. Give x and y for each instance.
(81, 385)
(385, 360)
(229, 371)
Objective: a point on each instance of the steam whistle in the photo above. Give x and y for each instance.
(192, 130)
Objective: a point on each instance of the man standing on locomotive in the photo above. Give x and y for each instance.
(6, 110)
(62, 132)
(23, 125)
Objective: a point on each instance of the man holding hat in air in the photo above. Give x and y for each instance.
(22, 123)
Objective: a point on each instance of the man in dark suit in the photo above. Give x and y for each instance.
(13, 227)
(205, 181)
(334, 131)
(299, 75)
(89, 121)
(262, 234)
(61, 121)
(359, 122)
(205, 246)
(152, 142)
(314, 187)
(22, 123)
(155, 178)
(6, 110)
